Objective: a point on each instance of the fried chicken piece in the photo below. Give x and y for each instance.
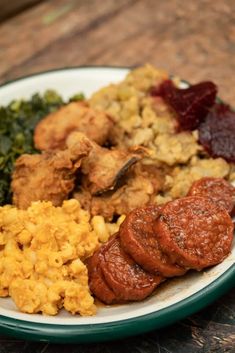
(53, 130)
(49, 176)
(140, 186)
(103, 168)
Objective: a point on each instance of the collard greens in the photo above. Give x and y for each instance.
(17, 123)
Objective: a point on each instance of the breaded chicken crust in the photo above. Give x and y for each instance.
(103, 167)
(49, 176)
(53, 130)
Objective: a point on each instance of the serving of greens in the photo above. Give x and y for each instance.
(17, 124)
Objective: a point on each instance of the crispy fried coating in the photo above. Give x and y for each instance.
(139, 187)
(53, 130)
(49, 176)
(102, 168)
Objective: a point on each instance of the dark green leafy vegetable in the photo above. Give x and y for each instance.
(77, 97)
(17, 123)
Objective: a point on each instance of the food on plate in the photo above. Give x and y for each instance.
(181, 178)
(217, 189)
(139, 186)
(97, 282)
(144, 118)
(52, 131)
(176, 149)
(191, 104)
(142, 161)
(217, 132)
(43, 253)
(17, 121)
(188, 233)
(102, 168)
(194, 232)
(140, 241)
(138, 116)
(49, 176)
(127, 280)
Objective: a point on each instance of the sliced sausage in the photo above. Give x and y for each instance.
(217, 189)
(140, 241)
(97, 283)
(194, 232)
(127, 279)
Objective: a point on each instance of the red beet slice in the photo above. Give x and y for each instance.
(217, 132)
(191, 104)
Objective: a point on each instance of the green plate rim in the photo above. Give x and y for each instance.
(123, 328)
(119, 329)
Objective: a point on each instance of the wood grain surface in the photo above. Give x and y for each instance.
(192, 39)
(12, 8)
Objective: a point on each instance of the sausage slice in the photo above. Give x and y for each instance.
(97, 283)
(140, 241)
(127, 279)
(217, 189)
(194, 232)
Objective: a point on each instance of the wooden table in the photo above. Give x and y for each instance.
(193, 39)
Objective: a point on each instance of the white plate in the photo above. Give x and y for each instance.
(174, 299)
